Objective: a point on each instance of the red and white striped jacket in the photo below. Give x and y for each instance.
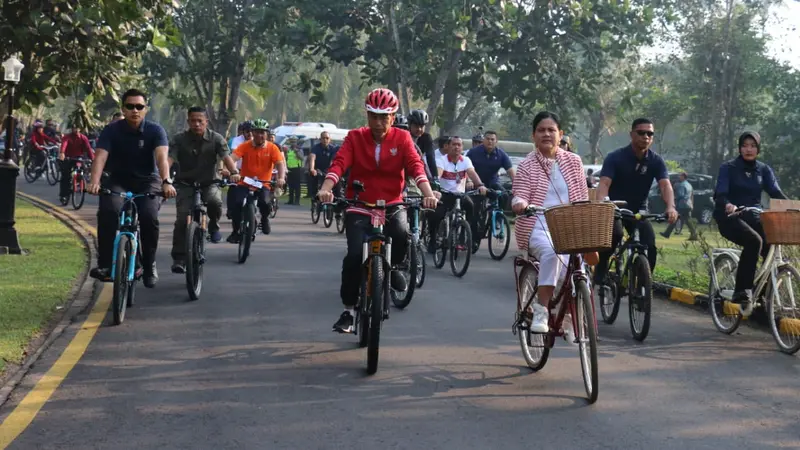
(532, 181)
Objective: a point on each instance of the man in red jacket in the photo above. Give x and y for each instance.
(380, 157)
(74, 145)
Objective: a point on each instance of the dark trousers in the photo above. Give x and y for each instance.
(446, 204)
(108, 218)
(294, 181)
(64, 187)
(356, 227)
(646, 236)
(212, 197)
(686, 216)
(745, 230)
(236, 197)
(314, 183)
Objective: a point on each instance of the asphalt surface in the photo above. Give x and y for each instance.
(253, 364)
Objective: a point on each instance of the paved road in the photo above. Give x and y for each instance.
(253, 364)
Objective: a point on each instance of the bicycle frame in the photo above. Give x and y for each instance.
(128, 226)
(767, 272)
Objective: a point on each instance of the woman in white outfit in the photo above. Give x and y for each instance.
(549, 176)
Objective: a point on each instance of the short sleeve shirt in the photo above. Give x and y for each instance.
(454, 174)
(258, 162)
(487, 165)
(631, 178)
(197, 155)
(132, 151)
(324, 156)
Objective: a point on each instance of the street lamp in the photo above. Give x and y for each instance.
(9, 171)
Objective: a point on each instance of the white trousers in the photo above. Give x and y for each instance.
(552, 266)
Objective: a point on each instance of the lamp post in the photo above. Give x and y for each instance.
(9, 171)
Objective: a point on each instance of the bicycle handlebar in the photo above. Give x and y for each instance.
(131, 195)
(202, 184)
(353, 202)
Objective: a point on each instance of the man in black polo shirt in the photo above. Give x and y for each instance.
(135, 152)
(319, 159)
(627, 175)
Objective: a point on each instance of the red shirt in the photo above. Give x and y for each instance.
(40, 139)
(76, 146)
(382, 172)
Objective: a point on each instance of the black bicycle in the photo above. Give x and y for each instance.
(632, 279)
(413, 266)
(454, 235)
(196, 236)
(249, 224)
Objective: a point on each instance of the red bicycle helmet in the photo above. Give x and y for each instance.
(382, 101)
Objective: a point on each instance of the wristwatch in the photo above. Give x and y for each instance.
(166, 181)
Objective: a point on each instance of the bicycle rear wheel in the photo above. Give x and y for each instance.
(610, 294)
(586, 332)
(78, 193)
(440, 244)
(460, 248)
(640, 297)
(121, 281)
(499, 238)
(534, 346)
(248, 227)
(726, 316)
(377, 292)
(315, 212)
(327, 216)
(401, 299)
(784, 310)
(195, 243)
(30, 172)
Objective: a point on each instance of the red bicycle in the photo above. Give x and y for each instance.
(78, 183)
(574, 297)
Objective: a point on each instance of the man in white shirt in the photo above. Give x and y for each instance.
(453, 170)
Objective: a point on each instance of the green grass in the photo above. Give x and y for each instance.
(680, 262)
(32, 286)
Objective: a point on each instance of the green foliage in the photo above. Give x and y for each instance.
(780, 132)
(673, 166)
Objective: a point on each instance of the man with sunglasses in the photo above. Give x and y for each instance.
(135, 152)
(627, 175)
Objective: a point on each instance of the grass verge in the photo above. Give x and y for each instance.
(33, 286)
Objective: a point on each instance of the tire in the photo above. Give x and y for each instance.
(609, 304)
(315, 212)
(776, 318)
(641, 282)
(274, 210)
(528, 341)
(195, 249)
(362, 314)
(327, 216)
(497, 250)
(248, 227)
(587, 336)
(340, 223)
(78, 193)
(30, 174)
(725, 267)
(421, 264)
(50, 173)
(462, 236)
(377, 291)
(121, 283)
(441, 244)
(402, 299)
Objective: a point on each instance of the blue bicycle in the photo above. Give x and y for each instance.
(493, 225)
(126, 253)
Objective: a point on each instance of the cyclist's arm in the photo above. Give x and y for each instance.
(425, 143)
(521, 188)
(476, 180)
(88, 147)
(99, 163)
(63, 148)
(162, 161)
(771, 184)
(666, 193)
(509, 168)
(723, 187)
(340, 164)
(602, 188)
(312, 159)
(280, 163)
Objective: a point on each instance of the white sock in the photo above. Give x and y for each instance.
(351, 311)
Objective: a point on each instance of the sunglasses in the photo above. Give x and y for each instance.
(131, 106)
(645, 133)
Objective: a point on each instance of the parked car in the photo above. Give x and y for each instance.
(703, 186)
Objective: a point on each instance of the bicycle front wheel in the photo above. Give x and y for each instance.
(121, 282)
(340, 223)
(377, 292)
(499, 238)
(460, 248)
(327, 217)
(51, 171)
(640, 297)
(420, 255)
(586, 333)
(610, 295)
(440, 245)
(401, 299)
(274, 210)
(247, 228)
(315, 212)
(195, 243)
(784, 310)
(30, 172)
(78, 193)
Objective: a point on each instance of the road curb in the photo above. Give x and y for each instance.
(82, 296)
(686, 297)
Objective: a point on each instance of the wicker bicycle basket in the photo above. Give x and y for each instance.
(781, 227)
(581, 227)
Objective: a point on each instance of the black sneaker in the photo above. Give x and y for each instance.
(344, 324)
(234, 238)
(398, 281)
(265, 226)
(150, 278)
(178, 267)
(101, 274)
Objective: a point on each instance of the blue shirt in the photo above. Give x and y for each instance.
(741, 183)
(631, 178)
(488, 164)
(324, 157)
(132, 152)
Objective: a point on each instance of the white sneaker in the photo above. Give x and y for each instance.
(540, 318)
(569, 332)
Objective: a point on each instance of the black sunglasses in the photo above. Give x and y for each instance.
(645, 133)
(132, 106)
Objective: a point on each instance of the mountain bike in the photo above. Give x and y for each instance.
(413, 266)
(127, 253)
(196, 236)
(455, 235)
(249, 224)
(776, 283)
(629, 274)
(49, 166)
(78, 177)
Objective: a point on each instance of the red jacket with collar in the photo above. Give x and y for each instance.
(383, 177)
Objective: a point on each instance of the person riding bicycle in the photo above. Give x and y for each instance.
(259, 157)
(196, 152)
(136, 153)
(401, 122)
(319, 160)
(454, 169)
(741, 182)
(549, 176)
(38, 141)
(417, 121)
(627, 175)
(379, 156)
(245, 131)
(74, 145)
(488, 159)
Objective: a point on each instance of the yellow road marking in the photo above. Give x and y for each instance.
(24, 413)
(682, 295)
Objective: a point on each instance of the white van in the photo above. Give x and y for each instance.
(309, 133)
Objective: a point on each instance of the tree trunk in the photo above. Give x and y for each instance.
(450, 103)
(449, 67)
(405, 104)
(597, 121)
